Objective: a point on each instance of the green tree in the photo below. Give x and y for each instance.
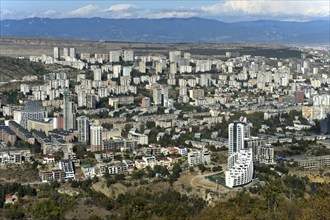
(138, 174)
(202, 168)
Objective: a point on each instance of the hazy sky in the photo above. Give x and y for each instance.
(226, 10)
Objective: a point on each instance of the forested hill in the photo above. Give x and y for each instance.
(171, 30)
(14, 68)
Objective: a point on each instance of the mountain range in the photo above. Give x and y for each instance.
(171, 30)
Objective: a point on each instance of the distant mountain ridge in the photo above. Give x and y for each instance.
(171, 30)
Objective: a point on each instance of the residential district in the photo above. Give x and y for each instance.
(125, 112)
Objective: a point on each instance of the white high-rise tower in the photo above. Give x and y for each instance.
(240, 159)
(96, 138)
(57, 54)
(236, 134)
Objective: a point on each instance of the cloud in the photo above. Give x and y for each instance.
(226, 10)
(5, 13)
(32, 15)
(49, 12)
(121, 7)
(86, 10)
(173, 14)
(269, 7)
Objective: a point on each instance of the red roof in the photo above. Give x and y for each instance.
(107, 151)
(165, 159)
(8, 196)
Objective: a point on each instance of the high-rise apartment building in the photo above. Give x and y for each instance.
(116, 69)
(299, 96)
(145, 103)
(128, 55)
(97, 74)
(240, 168)
(83, 129)
(69, 112)
(261, 152)
(187, 56)
(65, 52)
(173, 68)
(236, 134)
(174, 56)
(196, 93)
(160, 95)
(240, 158)
(114, 56)
(142, 67)
(96, 138)
(159, 67)
(91, 101)
(73, 52)
(57, 54)
(325, 125)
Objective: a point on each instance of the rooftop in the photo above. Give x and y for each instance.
(32, 106)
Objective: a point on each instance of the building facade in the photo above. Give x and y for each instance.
(32, 111)
(96, 138)
(236, 134)
(240, 168)
(69, 112)
(83, 129)
(240, 158)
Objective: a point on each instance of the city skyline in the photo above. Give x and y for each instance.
(225, 10)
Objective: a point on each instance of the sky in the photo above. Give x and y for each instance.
(224, 10)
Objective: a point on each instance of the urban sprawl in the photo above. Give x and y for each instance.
(128, 112)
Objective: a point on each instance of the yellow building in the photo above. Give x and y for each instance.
(40, 126)
(307, 112)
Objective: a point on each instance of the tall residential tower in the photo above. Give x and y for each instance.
(240, 159)
(69, 112)
(96, 138)
(83, 129)
(236, 134)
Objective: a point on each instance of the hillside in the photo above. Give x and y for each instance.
(27, 46)
(13, 68)
(170, 30)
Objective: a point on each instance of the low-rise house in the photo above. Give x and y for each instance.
(68, 168)
(88, 170)
(199, 157)
(53, 175)
(164, 161)
(117, 168)
(147, 160)
(129, 165)
(106, 155)
(11, 199)
(49, 159)
(183, 151)
(140, 164)
(172, 150)
(140, 138)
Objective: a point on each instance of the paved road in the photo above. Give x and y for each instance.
(200, 181)
(33, 183)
